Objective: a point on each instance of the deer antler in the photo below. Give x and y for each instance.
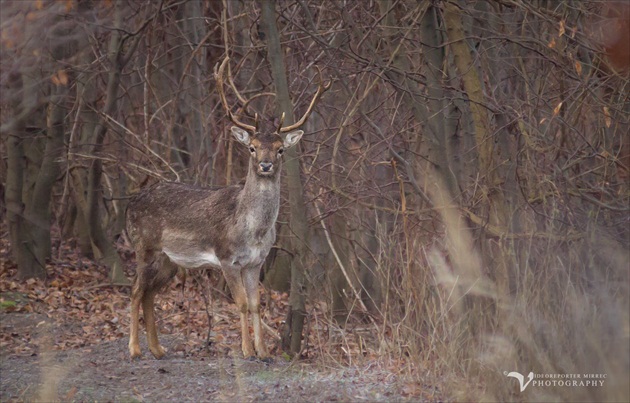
(281, 123)
(320, 90)
(218, 76)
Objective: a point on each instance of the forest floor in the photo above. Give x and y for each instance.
(65, 339)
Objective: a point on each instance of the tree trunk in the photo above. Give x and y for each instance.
(20, 228)
(105, 249)
(292, 339)
(86, 91)
(38, 209)
(484, 144)
(432, 144)
(192, 106)
(338, 281)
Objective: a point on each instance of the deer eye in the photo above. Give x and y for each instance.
(280, 151)
(252, 149)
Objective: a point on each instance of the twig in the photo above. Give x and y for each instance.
(342, 267)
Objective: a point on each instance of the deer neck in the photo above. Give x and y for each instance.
(260, 200)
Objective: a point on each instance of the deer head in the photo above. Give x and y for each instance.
(265, 146)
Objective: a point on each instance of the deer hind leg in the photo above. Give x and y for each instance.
(148, 303)
(250, 280)
(161, 272)
(136, 298)
(151, 277)
(235, 282)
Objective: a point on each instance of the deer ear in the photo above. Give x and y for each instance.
(292, 138)
(241, 135)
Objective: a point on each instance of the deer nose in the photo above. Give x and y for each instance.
(266, 166)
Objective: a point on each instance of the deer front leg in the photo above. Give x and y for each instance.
(250, 279)
(142, 281)
(235, 282)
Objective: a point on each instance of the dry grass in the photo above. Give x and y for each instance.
(565, 311)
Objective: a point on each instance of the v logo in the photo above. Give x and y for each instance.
(521, 378)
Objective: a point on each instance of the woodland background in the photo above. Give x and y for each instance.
(462, 190)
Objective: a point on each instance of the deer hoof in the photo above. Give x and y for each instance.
(249, 353)
(159, 352)
(134, 351)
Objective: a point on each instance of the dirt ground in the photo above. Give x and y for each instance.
(65, 339)
(103, 372)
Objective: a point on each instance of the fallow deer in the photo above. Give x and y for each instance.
(231, 228)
